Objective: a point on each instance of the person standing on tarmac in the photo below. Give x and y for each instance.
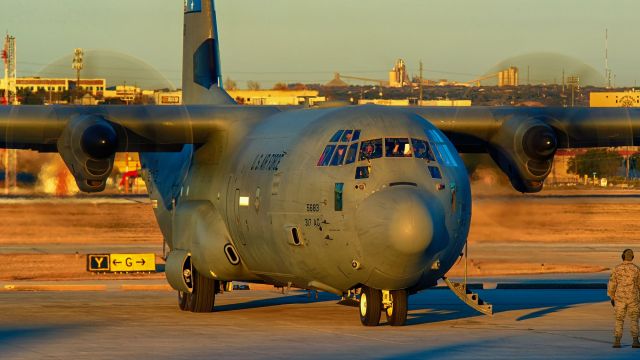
(624, 291)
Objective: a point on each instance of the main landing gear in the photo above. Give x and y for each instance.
(392, 302)
(202, 298)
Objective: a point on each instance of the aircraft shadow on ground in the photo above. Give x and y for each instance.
(10, 336)
(542, 303)
(434, 306)
(297, 297)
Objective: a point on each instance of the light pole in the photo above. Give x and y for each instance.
(77, 65)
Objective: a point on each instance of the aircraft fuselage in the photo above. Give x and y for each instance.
(329, 199)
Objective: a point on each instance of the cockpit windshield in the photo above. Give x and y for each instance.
(397, 147)
(371, 149)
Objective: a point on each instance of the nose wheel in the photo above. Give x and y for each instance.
(203, 296)
(392, 302)
(396, 307)
(370, 306)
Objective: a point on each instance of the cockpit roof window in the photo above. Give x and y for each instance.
(422, 150)
(326, 155)
(397, 147)
(356, 135)
(351, 154)
(371, 149)
(336, 137)
(338, 156)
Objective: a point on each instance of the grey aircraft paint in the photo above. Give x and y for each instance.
(333, 199)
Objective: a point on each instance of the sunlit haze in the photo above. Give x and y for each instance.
(304, 41)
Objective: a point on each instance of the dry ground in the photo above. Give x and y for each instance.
(553, 233)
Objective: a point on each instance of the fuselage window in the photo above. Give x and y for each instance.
(435, 172)
(351, 154)
(397, 147)
(326, 155)
(356, 135)
(362, 172)
(422, 150)
(339, 155)
(346, 136)
(371, 149)
(336, 137)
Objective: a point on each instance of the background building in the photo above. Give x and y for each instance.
(615, 99)
(276, 97)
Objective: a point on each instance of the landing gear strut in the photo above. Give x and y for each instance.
(202, 298)
(392, 302)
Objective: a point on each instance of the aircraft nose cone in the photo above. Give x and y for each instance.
(397, 221)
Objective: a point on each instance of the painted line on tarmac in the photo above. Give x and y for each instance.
(36, 287)
(157, 287)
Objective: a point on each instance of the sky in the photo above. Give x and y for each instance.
(307, 41)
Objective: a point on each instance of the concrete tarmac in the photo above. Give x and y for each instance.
(528, 324)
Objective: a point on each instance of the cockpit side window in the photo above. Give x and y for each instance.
(339, 155)
(435, 172)
(351, 154)
(336, 137)
(422, 150)
(371, 149)
(443, 153)
(397, 147)
(326, 155)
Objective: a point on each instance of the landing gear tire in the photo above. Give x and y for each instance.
(397, 312)
(203, 296)
(370, 306)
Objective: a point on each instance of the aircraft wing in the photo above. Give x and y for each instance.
(523, 141)
(88, 137)
(138, 128)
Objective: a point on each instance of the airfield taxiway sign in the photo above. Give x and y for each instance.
(132, 262)
(121, 262)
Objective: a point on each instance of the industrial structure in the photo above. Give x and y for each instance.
(507, 77)
(399, 77)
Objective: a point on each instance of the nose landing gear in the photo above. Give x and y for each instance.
(395, 304)
(374, 301)
(203, 296)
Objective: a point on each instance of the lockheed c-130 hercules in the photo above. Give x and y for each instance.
(333, 199)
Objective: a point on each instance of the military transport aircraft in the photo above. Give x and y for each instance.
(334, 199)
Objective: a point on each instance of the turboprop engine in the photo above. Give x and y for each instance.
(88, 146)
(524, 150)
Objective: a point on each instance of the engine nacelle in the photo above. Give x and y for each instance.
(88, 146)
(524, 150)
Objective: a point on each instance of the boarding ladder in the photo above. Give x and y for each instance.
(470, 298)
(463, 293)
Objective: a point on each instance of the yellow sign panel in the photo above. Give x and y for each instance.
(132, 262)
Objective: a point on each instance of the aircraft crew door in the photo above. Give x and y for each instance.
(233, 211)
